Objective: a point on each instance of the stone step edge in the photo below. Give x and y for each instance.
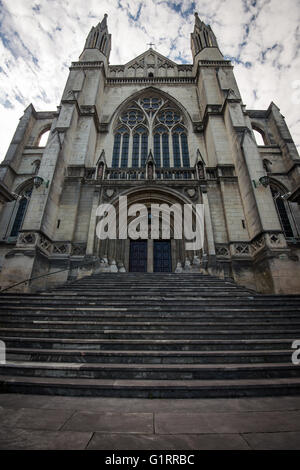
(150, 384)
(115, 352)
(150, 332)
(149, 341)
(147, 323)
(146, 367)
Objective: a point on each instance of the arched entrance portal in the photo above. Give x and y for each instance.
(156, 251)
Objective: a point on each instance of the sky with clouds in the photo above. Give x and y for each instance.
(40, 38)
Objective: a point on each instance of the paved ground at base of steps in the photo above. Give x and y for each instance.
(54, 422)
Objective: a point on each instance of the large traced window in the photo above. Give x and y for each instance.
(151, 123)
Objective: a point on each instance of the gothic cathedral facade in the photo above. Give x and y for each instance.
(156, 132)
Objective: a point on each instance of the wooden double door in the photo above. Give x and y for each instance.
(160, 258)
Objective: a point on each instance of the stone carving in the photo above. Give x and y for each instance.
(178, 268)
(113, 267)
(60, 248)
(222, 251)
(109, 192)
(78, 250)
(258, 244)
(191, 192)
(241, 249)
(27, 238)
(122, 268)
(44, 243)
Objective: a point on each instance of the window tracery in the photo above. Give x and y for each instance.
(151, 122)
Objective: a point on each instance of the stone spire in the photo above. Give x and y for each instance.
(99, 41)
(203, 38)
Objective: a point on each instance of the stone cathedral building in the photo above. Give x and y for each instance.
(156, 132)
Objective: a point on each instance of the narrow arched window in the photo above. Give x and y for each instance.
(282, 213)
(144, 148)
(139, 147)
(23, 204)
(135, 150)
(161, 147)
(165, 150)
(125, 147)
(121, 146)
(157, 154)
(180, 147)
(176, 150)
(185, 151)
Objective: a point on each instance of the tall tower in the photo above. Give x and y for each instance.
(98, 43)
(203, 42)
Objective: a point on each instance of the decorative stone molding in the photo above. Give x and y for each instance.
(35, 239)
(90, 65)
(241, 249)
(45, 244)
(258, 244)
(27, 238)
(61, 248)
(271, 240)
(275, 240)
(222, 251)
(146, 80)
(78, 249)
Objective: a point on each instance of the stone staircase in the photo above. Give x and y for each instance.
(150, 335)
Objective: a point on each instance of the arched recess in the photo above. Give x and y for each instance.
(284, 209)
(259, 134)
(119, 250)
(43, 137)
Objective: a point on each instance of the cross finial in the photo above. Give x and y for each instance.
(150, 44)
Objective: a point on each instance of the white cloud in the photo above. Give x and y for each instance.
(40, 38)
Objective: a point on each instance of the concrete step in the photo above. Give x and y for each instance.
(151, 388)
(151, 371)
(78, 317)
(145, 335)
(148, 345)
(149, 357)
(172, 324)
(151, 333)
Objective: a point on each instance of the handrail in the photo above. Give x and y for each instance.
(48, 274)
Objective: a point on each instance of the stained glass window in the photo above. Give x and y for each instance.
(116, 151)
(176, 150)
(132, 117)
(135, 150)
(169, 117)
(155, 118)
(144, 149)
(185, 151)
(151, 104)
(165, 150)
(157, 149)
(125, 146)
